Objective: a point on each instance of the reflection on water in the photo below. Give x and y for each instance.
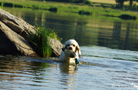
(25, 72)
(66, 68)
(87, 30)
(122, 36)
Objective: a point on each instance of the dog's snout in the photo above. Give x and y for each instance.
(70, 48)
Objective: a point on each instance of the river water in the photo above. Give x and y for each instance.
(109, 59)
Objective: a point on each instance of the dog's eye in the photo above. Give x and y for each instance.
(73, 45)
(68, 44)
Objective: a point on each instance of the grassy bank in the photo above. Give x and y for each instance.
(67, 7)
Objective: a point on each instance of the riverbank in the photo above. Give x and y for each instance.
(67, 7)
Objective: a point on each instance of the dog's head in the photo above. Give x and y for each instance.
(72, 46)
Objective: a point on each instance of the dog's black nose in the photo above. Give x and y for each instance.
(70, 48)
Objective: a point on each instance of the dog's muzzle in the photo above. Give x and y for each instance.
(70, 48)
(72, 54)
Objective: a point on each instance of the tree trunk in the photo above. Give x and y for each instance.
(131, 2)
(121, 4)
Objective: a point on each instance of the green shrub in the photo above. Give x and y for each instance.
(88, 2)
(127, 17)
(53, 9)
(82, 12)
(40, 43)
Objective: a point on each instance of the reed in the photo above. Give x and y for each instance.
(40, 42)
(1, 5)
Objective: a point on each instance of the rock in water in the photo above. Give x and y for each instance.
(16, 24)
(12, 43)
(14, 36)
(14, 33)
(56, 47)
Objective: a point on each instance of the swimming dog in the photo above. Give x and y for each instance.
(70, 52)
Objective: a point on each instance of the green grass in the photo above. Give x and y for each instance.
(40, 42)
(1, 5)
(69, 7)
(62, 7)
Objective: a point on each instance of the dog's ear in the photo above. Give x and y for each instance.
(63, 49)
(78, 49)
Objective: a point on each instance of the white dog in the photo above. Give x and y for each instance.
(71, 52)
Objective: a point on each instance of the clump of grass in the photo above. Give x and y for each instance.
(1, 5)
(40, 42)
(53, 35)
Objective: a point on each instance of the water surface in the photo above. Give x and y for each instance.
(101, 69)
(87, 30)
(109, 55)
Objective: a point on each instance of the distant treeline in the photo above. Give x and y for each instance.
(120, 3)
(70, 1)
